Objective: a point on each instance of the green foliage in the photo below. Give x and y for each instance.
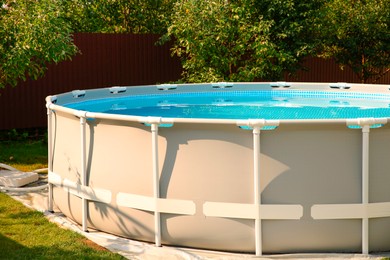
(32, 34)
(357, 34)
(292, 33)
(118, 16)
(217, 40)
(241, 40)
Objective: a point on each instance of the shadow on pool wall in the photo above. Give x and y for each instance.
(311, 184)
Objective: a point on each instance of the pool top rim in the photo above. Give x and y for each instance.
(58, 102)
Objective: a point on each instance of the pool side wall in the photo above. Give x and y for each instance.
(302, 165)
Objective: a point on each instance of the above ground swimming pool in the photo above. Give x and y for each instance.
(240, 167)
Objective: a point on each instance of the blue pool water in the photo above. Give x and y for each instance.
(265, 104)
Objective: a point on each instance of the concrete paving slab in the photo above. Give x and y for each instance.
(17, 178)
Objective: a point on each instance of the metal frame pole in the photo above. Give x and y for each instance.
(50, 157)
(257, 189)
(83, 176)
(365, 185)
(156, 183)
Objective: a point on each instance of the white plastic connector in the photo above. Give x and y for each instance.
(78, 93)
(340, 85)
(280, 84)
(367, 121)
(53, 99)
(222, 85)
(166, 86)
(257, 122)
(116, 90)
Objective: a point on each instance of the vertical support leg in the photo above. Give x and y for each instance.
(83, 172)
(365, 186)
(156, 183)
(50, 156)
(257, 190)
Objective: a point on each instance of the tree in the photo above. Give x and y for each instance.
(293, 30)
(118, 16)
(32, 34)
(356, 33)
(241, 40)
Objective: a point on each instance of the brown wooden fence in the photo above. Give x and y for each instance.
(105, 60)
(119, 59)
(321, 70)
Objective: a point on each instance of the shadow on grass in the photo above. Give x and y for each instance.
(27, 234)
(11, 249)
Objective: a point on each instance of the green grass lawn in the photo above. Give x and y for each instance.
(24, 155)
(27, 234)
